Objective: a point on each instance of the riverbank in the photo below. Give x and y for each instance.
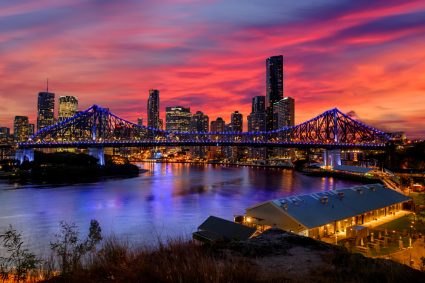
(70, 174)
(67, 167)
(274, 256)
(341, 175)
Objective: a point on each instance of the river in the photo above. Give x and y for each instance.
(168, 201)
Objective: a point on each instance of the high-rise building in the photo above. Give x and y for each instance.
(45, 109)
(274, 79)
(257, 118)
(236, 122)
(20, 128)
(4, 134)
(68, 107)
(31, 129)
(199, 122)
(161, 124)
(284, 110)
(153, 109)
(257, 122)
(274, 87)
(177, 119)
(218, 125)
(258, 104)
(140, 121)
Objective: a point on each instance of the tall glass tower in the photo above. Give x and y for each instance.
(274, 86)
(153, 109)
(45, 109)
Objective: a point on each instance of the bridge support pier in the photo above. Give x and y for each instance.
(332, 157)
(99, 153)
(24, 154)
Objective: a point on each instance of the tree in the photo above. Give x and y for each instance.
(19, 260)
(70, 249)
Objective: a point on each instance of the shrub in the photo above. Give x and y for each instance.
(19, 261)
(70, 250)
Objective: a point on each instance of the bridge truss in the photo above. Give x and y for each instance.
(97, 127)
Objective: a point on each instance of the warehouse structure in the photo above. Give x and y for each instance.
(325, 213)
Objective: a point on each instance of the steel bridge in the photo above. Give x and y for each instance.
(97, 127)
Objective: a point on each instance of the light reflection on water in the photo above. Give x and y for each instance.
(167, 201)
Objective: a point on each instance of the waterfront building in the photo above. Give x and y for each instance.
(324, 214)
(274, 86)
(236, 122)
(20, 128)
(177, 119)
(257, 123)
(4, 134)
(215, 229)
(199, 122)
(218, 125)
(45, 109)
(153, 109)
(284, 111)
(68, 107)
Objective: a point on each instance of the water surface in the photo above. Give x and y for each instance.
(170, 200)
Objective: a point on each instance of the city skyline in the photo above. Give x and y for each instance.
(359, 56)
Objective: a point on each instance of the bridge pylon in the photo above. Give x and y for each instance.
(331, 157)
(99, 153)
(26, 154)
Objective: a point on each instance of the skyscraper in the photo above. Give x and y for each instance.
(177, 119)
(218, 125)
(258, 104)
(236, 122)
(20, 128)
(274, 87)
(45, 109)
(153, 109)
(284, 110)
(4, 134)
(257, 118)
(68, 107)
(199, 122)
(274, 79)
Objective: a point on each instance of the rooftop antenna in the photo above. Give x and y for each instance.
(47, 85)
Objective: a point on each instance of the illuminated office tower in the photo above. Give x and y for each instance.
(20, 128)
(177, 119)
(236, 122)
(45, 109)
(284, 110)
(257, 118)
(274, 87)
(153, 109)
(218, 125)
(199, 122)
(68, 107)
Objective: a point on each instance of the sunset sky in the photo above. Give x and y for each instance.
(209, 55)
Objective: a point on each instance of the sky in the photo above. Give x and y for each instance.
(362, 56)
